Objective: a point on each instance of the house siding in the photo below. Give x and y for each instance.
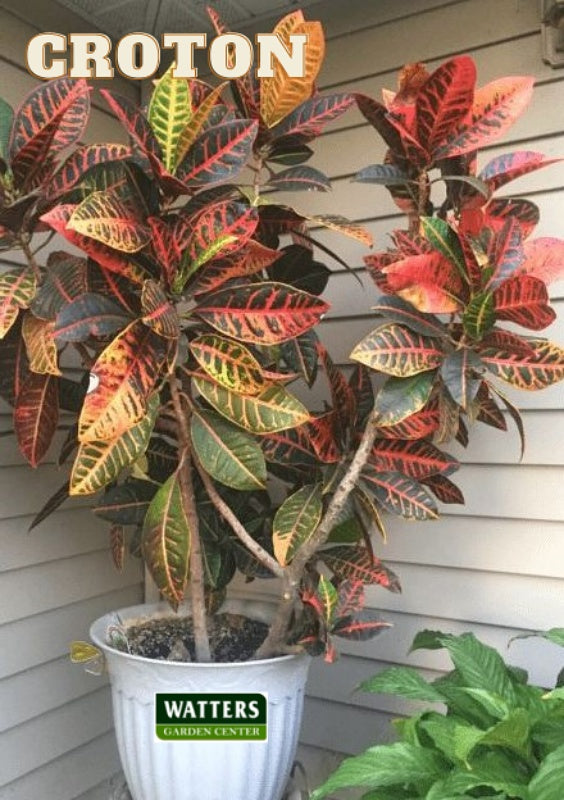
(56, 737)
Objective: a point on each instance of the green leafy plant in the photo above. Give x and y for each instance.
(500, 736)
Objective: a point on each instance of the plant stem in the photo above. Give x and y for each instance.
(237, 527)
(275, 641)
(196, 580)
(30, 257)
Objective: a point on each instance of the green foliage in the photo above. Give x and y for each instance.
(498, 736)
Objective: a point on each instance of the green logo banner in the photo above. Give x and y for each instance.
(228, 716)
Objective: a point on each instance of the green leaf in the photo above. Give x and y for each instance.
(169, 113)
(548, 782)
(296, 521)
(443, 238)
(329, 599)
(166, 541)
(480, 666)
(458, 372)
(273, 409)
(453, 739)
(555, 635)
(492, 703)
(428, 640)
(127, 503)
(403, 681)
(385, 765)
(511, 732)
(6, 119)
(229, 363)
(398, 351)
(479, 316)
(228, 454)
(401, 397)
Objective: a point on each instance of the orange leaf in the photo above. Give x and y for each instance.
(281, 94)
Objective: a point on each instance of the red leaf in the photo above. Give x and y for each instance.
(417, 426)
(531, 374)
(509, 166)
(165, 247)
(322, 432)
(342, 395)
(353, 563)
(430, 282)
(50, 119)
(495, 109)
(361, 628)
(58, 218)
(399, 494)
(544, 259)
(218, 154)
(444, 101)
(82, 160)
(526, 213)
(36, 415)
(252, 259)
(524, 300)
(507, 252)
(504, 340)
(416, 459)
(444, 489)
(137, 125)
(262, 313)
(309, 118)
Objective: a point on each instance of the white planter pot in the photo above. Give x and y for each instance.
(202, 770)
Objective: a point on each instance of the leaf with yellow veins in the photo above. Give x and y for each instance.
(40, 345)
(170, 111)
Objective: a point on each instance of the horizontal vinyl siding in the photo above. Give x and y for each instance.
(495, 565)
(56, 737)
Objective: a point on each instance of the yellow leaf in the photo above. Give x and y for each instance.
(281, 94)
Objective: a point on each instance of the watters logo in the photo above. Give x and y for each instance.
(211, 716)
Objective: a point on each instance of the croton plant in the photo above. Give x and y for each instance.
(170, 335)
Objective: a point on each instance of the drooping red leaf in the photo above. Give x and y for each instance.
(80, 162)
(444, 489)
(351, 597)
(356, 564)
(360, 383)
(360, 628)
(102, 280)
(342, 395)
(544, 259)
(429, 282)
(376, 114)
(218, 154)
(308, 120)
(158, 312)
(444, 101)
(111, 259)
(290, 448)
(496, 107)
(262, 313)
(399, 494)
(509, 166)
(488, 410)
(416, 459)
(524, 300)
(36, 414)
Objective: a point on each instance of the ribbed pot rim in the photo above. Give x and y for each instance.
(146, 609)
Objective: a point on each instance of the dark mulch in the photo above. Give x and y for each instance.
(232, 638)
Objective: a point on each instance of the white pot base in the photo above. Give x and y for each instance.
(202, 770)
